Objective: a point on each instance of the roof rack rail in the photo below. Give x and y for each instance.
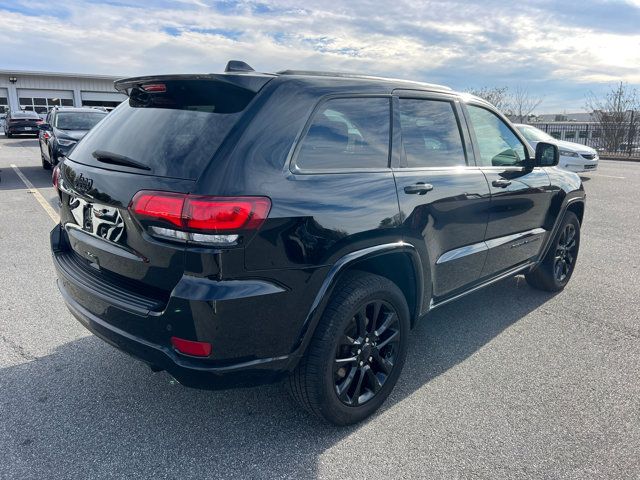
(316, 73)
(238, 66)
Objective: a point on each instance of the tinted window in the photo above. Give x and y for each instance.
(347, 133)
(25, 114)
(430, 134)
(498, 145)
(175, 132)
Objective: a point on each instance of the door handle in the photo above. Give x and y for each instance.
(501, 183)
(420, 188)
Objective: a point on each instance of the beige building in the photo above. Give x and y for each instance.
(40, 91)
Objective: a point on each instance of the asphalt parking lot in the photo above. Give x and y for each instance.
(507, 382)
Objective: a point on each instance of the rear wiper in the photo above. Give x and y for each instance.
(114, 158)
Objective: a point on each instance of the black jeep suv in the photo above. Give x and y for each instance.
(63, 127)
(241, 228)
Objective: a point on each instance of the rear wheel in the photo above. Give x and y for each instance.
(555, 271)
(357, 351)
(9, 135)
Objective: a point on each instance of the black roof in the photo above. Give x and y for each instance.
(24, 114)
(357, 78)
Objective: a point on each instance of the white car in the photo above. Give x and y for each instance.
(573, 156)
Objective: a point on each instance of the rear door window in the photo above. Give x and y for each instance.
(430, 134)
(173, 132)
(347, 134)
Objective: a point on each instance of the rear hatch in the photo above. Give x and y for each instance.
(26, 121)
(160, 140)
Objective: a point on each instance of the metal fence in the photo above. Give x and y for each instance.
(622, 140)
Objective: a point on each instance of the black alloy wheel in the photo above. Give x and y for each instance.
(555, 270)
(366, 353)
(566, 250)
(357, 351)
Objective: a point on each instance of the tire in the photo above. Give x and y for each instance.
(555, 270)
(343, 334)
(53, 158)
(9, 135)
(46, 165)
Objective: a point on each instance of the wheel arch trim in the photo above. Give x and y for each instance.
(563, 211)
(332, 277)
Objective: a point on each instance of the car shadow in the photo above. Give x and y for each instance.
(88, 408)
(38, 176)
(24, 141)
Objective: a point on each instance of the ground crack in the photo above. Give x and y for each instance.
(18, 349)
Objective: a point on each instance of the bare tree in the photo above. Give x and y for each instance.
(517, 104)
(614, 114)
(497, 96)
(521, 104)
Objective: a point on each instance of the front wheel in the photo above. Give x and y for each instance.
(45, 164)
(357, 351)
(555, 270)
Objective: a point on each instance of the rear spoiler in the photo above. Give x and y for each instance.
(252, 82)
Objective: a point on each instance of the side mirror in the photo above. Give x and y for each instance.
(547, 154)
(45, 127)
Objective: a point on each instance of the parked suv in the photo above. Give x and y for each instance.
(62, 129)
(241, 228)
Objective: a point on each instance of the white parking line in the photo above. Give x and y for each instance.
(608, 176)
(38, 196)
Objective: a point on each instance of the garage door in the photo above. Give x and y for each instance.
(4, 100)
(102, 99)
(41, 101)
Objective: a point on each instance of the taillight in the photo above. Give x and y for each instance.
(221, 221)
(55, 176)
(155, 87)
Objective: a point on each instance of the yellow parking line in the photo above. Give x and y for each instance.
(38, 196)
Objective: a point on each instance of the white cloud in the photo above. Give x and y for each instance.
(488, 42)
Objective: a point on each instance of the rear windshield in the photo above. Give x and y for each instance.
(170, 133)
(77, 120)
(24, 115)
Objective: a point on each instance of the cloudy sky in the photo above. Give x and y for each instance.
(558, 50)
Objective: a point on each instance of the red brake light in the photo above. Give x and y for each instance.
(55, 176)
(159, 205)
(155, 87)
(225, 214)
(189, 347)
(213, 220)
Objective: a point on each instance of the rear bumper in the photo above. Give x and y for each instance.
(22, 130)
(191, 373)
(142, 326)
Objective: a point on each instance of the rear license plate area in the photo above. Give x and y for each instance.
(98, 219)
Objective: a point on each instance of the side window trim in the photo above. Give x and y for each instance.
(476, 148)
(293, 167)
(463, 129)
